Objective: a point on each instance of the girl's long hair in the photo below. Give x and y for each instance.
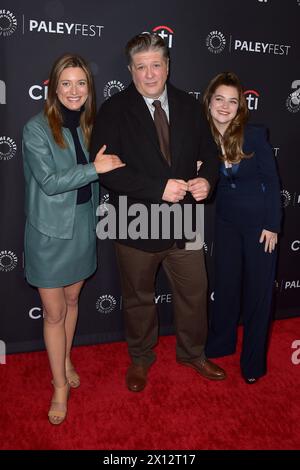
(52, 106)
(233, 138)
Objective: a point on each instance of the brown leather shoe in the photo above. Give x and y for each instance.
(136, 377)
(206, 368)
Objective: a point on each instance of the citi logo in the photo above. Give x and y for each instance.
(166, 33)
(112, 87)
(38, 92)
(35, 313)
(252, 99)
(2, 92)
(8, 260)
(295, 245)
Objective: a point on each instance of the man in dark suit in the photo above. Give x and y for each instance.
(160, 133)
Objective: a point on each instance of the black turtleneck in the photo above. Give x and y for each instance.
(71, 121)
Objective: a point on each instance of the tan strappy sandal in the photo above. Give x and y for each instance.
(73, 378)
(58, 408)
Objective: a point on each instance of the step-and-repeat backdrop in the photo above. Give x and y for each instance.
(257, 39)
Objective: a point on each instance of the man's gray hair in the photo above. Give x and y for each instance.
(145, 42)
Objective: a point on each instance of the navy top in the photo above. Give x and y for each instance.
(71, 121)
(248, 194)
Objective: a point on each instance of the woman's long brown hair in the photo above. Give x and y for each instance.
(52, 106)
(233, 138)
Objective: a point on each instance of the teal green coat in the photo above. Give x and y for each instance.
(52, 177)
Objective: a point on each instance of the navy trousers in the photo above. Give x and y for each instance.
(243, 284)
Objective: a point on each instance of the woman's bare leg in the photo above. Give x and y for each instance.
(71, 294)
(55, 309)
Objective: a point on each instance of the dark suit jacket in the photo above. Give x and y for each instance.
(254, 201)
(125, 125)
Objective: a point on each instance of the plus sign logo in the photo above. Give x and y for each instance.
(252, 99)
(166, 33)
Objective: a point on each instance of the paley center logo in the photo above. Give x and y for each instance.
(8, 260)
(8, 148)
(8, 23)
(288, 198)
(252, 97)
(34, 25)
(215, 42)
(112, 87)
(106, 303)
(285, 197)
(39, 92)
(293, 100)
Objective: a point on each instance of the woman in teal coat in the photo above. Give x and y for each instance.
(61, 197)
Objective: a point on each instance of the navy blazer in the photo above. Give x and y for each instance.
(250, 196)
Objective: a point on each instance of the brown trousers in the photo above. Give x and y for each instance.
(186, 273)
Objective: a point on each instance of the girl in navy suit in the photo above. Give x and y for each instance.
(248, 214)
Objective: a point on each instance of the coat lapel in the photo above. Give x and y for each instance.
(177, 121)
(139, 108)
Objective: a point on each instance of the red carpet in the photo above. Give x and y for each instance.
(177, 410)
